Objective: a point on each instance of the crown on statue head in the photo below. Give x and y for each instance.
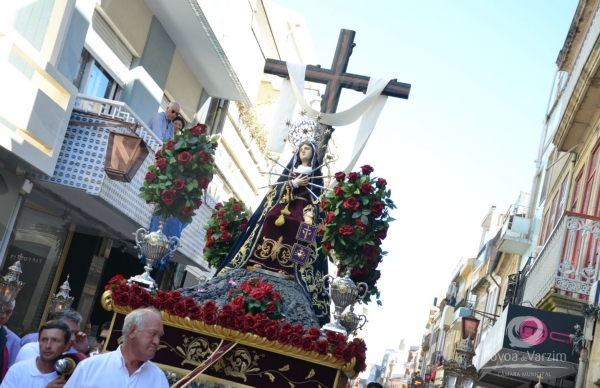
(305, 129)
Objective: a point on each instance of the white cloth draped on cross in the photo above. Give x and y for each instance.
(292, 92)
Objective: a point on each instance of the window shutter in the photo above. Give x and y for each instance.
(111, 39)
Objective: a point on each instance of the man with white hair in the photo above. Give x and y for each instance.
(162, 122)
(10, 343)
(129, 365)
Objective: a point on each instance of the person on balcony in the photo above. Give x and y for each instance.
(162, 122)
(178, 124)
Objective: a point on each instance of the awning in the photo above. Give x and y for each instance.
(526, 343)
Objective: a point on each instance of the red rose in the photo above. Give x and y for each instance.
(150, 176)
(307, 344)
(324, 203)
(271, 307)
(249, 321)
(346, 230)
(382, 234)
(376, 208)
(161, 163)
(197, 203)
(195, 313)
(283, 337)
(369, 251)
(236, 207)
(214, 145)
(162, 296)
(347, 354)
(261, 328)
(322, 347)
(210, 242)
(313, 333)
(272, 333)
(117, 279)
(239, 301)
(331, 337)
(360, 225)
(296, 340)
(340, 338)
(122, 299)
(327, 246)
(260, 317)
(204, 156)
(226, 320)
(339, 176)
(146, 299)
(298, 329)
(286, 327)
(195, 130)
(320, 231)
(203, 182)
(329, 218)
(366, 169)
(373, 263)
(158, 154)
(221, 213)
(218, 205)
(135, 303)
(136, 290)
(175, 295)
(338, 191)
(190, 302)
(381, 182)
(224, 224)
(351, 203)
(178, 184)
(227, 309)
(239, 311)
(209, 318)
(168, 197)
(170, 145)
(353, 176)
(338, 352)
(187, 210)
(184, 157)
(180, 309)
(225, 235)
(242, 226)
(366, 188)
(209, 307)
(203, 128)
(257, 294)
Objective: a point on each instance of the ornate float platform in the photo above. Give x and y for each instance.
(234, 358)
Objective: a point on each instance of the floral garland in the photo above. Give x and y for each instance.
(355, 223)
(227, 222)
(236, 316)
(183, 169)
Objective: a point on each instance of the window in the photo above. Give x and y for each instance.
(93, 80)
(576, 190)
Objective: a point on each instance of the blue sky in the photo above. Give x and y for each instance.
(465, 140)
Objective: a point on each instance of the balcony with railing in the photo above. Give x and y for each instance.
(79, 175)
(567, 265)
(514, 236)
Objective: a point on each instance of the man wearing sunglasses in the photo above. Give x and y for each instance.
(104, 330)
(162, 122)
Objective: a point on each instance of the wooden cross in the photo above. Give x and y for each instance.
(336, 78)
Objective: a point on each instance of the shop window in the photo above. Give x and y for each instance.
(38, 242)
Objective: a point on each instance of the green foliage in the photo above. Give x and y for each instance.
(227, 222)
(183, 169)
(356, 221)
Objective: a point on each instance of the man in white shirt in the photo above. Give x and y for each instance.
(129, 365)
(79, 343)
(55, 339)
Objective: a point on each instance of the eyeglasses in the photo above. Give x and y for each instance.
(174, 111)
(7, 312)
(100, 339)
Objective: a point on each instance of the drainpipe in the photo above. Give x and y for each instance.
(581, 372)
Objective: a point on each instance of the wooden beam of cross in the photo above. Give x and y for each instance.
(336, 78)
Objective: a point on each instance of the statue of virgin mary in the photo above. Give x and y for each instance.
(272, 233)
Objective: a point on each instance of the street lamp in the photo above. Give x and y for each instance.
(61, 301)
(460, 372)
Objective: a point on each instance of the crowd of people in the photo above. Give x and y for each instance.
(29, 362)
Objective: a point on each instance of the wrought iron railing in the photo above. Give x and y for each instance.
(516, 286)
(568, 262)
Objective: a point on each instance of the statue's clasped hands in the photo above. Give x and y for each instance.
(301, 180)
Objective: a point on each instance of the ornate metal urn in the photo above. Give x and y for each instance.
(154, 246)
(351, 321)
(344, 292)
